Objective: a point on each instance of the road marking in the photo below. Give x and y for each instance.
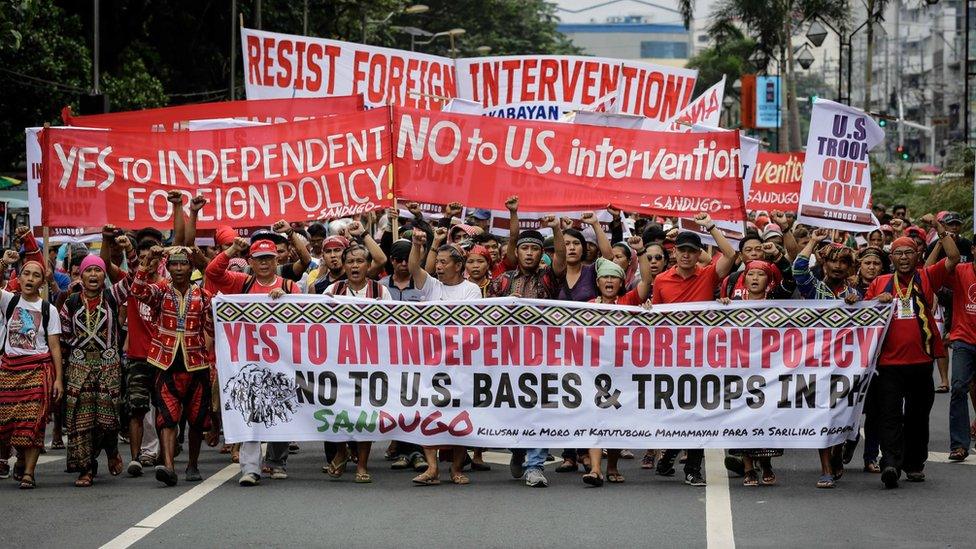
(718, 503)
(941, 457)
(171, 509)
(498, 458)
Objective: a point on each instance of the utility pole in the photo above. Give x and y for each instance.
(96, 50)
(233, 48)
(898, 87)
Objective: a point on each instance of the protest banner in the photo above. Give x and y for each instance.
(280, 65)
(543, 87)
(776, 183)
(321, 168)
(481, 161)
(836, 188)
(501, 219)
(706, 110)
(171, 119)
(525, 373)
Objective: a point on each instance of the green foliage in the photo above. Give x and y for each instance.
(134, 87)
(49, 69)
(727, 57)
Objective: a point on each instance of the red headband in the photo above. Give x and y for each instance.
(772, 272)
(903, 242)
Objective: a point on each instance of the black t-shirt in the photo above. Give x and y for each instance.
(965, 250)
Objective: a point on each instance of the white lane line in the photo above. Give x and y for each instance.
(941, 457)
(718, 503)
(498, 458)
(171, 509)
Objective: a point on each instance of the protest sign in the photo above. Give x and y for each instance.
(525, 373)
(285, 65)
(706, 110)
(322, 168)
(481, 161)
(836, 188)
(269, 111)
(776, 183)
(543, 87)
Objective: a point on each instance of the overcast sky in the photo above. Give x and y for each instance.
(665, 12)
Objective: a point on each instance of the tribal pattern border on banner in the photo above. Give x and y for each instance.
(505, 312)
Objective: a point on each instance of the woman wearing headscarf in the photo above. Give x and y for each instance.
(90, 339)
(610, 285)
(760, 279)
(871, 263)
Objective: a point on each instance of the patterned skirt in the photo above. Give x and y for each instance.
(25, 398)
(91, 415)
(758, 452)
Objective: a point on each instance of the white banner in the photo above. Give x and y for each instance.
(836, 188)
(705, 110)
(524, 373)
(543, 87)
(280, 65)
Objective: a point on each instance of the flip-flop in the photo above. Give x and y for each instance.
(423, 479)
(115, 465)
(460, 479)
(942, 389)
(826, 481)
(593, 479)
(335, 470)
(750, 479)
(615, 478)
(84, 481)
(768, 478)
(364, 478)
(27, 482)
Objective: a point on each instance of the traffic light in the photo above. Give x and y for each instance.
(902, 153)
(882, 122)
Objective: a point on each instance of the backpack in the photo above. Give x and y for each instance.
(12, 306)
(286, 285)
(372, 288)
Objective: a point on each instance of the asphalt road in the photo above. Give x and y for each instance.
(309, 509)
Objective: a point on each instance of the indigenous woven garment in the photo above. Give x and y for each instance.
(25, 398)
(89, 331)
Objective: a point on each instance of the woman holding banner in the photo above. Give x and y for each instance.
(760, 280)
(610, 284)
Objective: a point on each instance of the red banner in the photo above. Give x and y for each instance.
(776, 184)
(316, 169)
(169, 119)
(480, 161)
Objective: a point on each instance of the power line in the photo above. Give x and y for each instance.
(43, 81)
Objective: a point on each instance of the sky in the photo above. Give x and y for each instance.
(660, 11)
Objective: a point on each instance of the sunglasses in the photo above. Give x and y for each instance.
(655, 257)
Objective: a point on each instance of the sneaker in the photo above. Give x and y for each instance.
(535, 478)
(516, 466)
(278, 473)
(134, 469)
(647, 462)
(665, 467)
(735, 465)
(293, 448)
(889, 476)
(192, 474)
(249, 479)
(418, 462)
(147, 460)
(166, 476)
(916, 476)
(694, 479)
(399, 463)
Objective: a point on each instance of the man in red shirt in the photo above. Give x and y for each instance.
(265, 280)
(905, 391)
(962, 282)
(689, 281)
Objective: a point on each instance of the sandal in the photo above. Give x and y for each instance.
(615, 478)
(18, 470)
(958, 454)
(567, 466)
(593, 479)
(4, 469)
(426, 479)
(115, 465)
(235, 454)
(871, 467)
(647, 462)
(826, 481)
(363, 478)
(460, 479)
(586, 464)
(942, 389)
(57, 444)
(750, 478)
(226, 448)
(768, 477)
(84, 480)
(335, 470)
(27, 482)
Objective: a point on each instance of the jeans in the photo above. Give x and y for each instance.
(905, 396)
(277, 454)
(534, 458)
(963, 367)
(251, 458)
(693, 464)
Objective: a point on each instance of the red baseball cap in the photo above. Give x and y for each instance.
(264, 248)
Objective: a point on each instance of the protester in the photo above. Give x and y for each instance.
(904, 380)
(31, 375)
(531, 280)
(90, 333)
(963, 339)
(686, 282)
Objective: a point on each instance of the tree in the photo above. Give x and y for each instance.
(48, 69)
(728, 57)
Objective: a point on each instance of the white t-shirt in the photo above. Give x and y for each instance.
(24, 335)
(435, 290)
(384, 291)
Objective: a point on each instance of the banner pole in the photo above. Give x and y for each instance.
(47, 254)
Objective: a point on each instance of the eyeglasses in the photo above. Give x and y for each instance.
(655, 257)
(904, 253)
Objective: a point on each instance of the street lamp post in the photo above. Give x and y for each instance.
(449, 33)
(818, 32)
(413, 9)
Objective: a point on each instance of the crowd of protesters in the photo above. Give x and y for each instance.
(118, 345)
